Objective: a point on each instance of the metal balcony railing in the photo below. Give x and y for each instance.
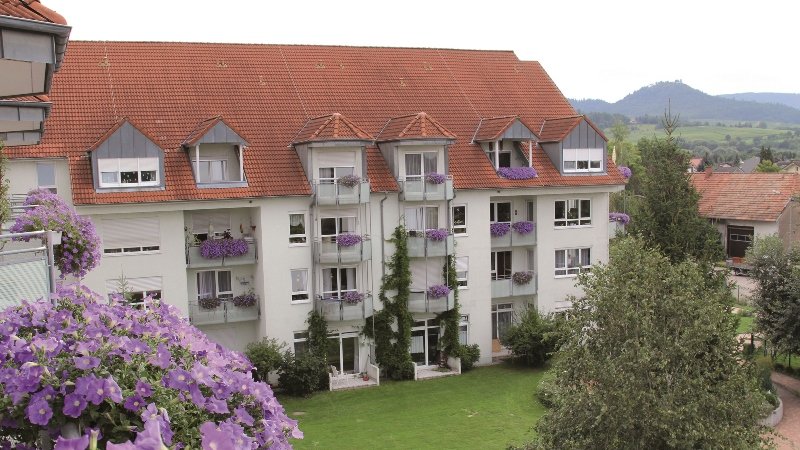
(339, 194)
(419, 246)
(226, 312)
(335, 309)
(194, 260)
(421, 302)
(507, 288)
(329, 252)
(419, 189)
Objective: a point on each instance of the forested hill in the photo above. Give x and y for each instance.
(792, 100)
(690, 103)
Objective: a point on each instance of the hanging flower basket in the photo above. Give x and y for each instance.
(499, 229)
(220, 248)
(435, 178)
(523, 227)
(438, 291)
(517, 173)
(348, 240)
(349, 180)
(209, 303)
(522, 278)
(625, 171)
(437, 235)
(619, 217)
(352, 297)
(245, 300)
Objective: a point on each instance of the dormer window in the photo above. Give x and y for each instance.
(216, 153)
(128, 172)
(126, 158)
(499, 154)
(583, 159)
(418, 165)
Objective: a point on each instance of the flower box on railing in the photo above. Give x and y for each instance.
(234, 255)
(331, 251)
(505, 234)
(208, 311)
(430, 243)
(347, 190)
(422, 301)
(520, 283)
(427, 188)
(350, 305)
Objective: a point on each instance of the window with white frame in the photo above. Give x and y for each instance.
(338, 280)
(530, 211)
(128, 172)
(573, 213)
(462, 271)
(329, 175)
(463, 330)
(211, 170)
(500, 158)
(418, 165)
(46, 176)
(297, 228)
(501, 265)
(583, 159)
(299, 285)
(459, 217)
(214, 284)
(330, 227)
(131, 235)
(572, 261)
(502, 318)
(300, 342)
(500, 212)
(421, 218)
(135, 292)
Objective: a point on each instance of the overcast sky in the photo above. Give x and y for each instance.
(591, 49)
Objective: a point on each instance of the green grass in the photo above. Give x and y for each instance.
(488, 408)
(707, 133)
(745, 325)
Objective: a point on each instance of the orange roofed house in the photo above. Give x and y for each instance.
(745, 205)
(314, 155)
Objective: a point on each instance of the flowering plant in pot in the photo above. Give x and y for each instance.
(522, 278)
(209, 302)
(348, 240)
(352, 297)
(438, 291)
(436, 234)
(220, 248)
(499, 229)
(619, 217)
(517, 173)
(245, 300)
(523, 227)
(435, 178)
(349, 180)
(625, 171)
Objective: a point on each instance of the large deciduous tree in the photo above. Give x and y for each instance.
(650, 361)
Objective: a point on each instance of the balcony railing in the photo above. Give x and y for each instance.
(513, 238)
(507, 288)
(339, 194)
(420, 246)
(329, 252)
(422, 303)
(338, 310)
(194, 260)
(226, 312)
(419, 189)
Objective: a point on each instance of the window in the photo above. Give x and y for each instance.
(422, 218)
(337, 281)
(299, 285)
(571, 213)
(502, 317)
(208, 224)
(572, 261)
(503, 155)
(420, 164)
(329, 175)
(135, 290)
(330, 227)
(300, 342)
(500, 212)
(459, 214)
(343, 352)
(297, 228)
(131, 235)
(46, 176)
(128, 172)
(214, 284)
(212, 170)
(583, 159)
(463, 330)
(501, 265)
(530, 208)
(462, 270)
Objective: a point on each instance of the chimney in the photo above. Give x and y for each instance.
(709, 171)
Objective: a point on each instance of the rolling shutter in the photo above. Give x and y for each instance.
(131, 232)
(336, 159)
(220, 220)
(143, 284)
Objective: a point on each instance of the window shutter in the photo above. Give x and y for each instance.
(131, 232)
(220, 220)
(336, 159)
(462, 263)
(108, 165)
(143, 284)
(148, 164)
(128, 164)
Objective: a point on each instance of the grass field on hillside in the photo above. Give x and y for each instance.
(707, 133)
(487, 408)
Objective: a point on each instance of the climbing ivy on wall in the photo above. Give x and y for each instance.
(450, 319)
(317, 334)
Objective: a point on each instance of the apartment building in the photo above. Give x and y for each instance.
(308, 158)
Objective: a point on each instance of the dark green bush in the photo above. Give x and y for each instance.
(534, 338)
(302, 374)
(546, 392)
(765, 366)
(266, 355)
(469, 355)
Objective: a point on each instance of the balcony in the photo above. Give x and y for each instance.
(329, 252)
(514, 238)
(226, 312)
(420, 302)
(420, 190)
(507, 288)
(419, 246)
(195, 260)
(338, 310)
(339, 194)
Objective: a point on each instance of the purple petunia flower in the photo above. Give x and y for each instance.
(74, 404)
(348, 240)
(178, 379)
(216, 405)
(134, 403)
(113, 392)
(523, 227)
(213, 437)
(625, 171)
(349, 180)
(86, 362)
(243, 416)
(39, 413)
(220, 248)
(438, 291)
(435, 178)
(162, 357)
(79, 443)
(517, 173)
(619, 217)
(499, 229)
(352, 297)
(144, 389)
(436, 234)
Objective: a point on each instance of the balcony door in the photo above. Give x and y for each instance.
(424, 343)
(343, 352)
(502, 317)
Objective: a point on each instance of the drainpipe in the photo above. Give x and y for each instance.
(383, 241)
(530, 153)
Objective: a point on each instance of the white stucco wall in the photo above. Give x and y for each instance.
(23, 176)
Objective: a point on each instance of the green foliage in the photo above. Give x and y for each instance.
(5, 205)
(547, 392)
(766, 153)
(667, 216)
(534, 338)
(317, 334)
(650, 360)
(627, 154)
(450, 319)
(767, 166)
(302, 374)
(266, 355)
(469, 354)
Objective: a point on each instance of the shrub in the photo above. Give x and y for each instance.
(533, 339)
(469, 354)
(266, 355)
(546, 393)
(302, 374)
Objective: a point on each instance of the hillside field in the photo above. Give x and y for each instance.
(704, 133)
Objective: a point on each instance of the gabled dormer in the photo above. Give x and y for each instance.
(331, 149)
(126, 158)
(415, 148)
(216, 153)
(574, 145)
(22, 120)
(507, 141)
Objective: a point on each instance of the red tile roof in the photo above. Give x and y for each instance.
(31, 10)
(490, 129)
(413, 126)
(270, 92)
(745, 196)
(557, 128)
(333, 127)
(380, 177)
(203, 127)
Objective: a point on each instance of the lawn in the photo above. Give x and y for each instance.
(488, 407)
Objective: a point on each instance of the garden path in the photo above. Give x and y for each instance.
(789, 428)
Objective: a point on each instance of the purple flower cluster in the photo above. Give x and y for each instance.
(438, 291)
(245, 300)
(435, 178)
(87, 362)
(352, 297)
(209, 303)
(522, 278)
(619, 217)
(436, 234)
(517, 173)
(625, 171)
(523, 227)
(79, 251)
(499, 229)
(348, 240)
(220, 248)
(349, 180)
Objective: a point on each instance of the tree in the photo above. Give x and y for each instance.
(668, 217)
(534, 338)
(767, 166)
(766, 154)
(650, 360)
